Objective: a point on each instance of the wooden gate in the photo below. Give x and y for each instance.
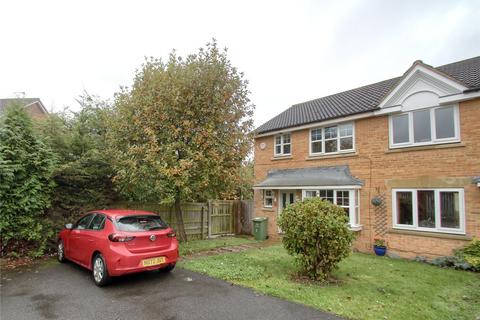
(244, 216)
(220, 217)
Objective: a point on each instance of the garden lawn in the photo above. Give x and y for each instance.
(196, 246)
(369, 287)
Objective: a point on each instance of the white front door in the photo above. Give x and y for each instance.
(286, 197)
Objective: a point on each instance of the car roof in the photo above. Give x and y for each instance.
(114, 213)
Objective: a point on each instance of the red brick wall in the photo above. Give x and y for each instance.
(445, 165)
(36, 111)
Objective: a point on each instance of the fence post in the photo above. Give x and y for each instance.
(238, 217)
(209, 226)
(201, 223)
(232, 216)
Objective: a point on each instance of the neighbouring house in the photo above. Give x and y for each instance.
(34, 106)
(401, 156)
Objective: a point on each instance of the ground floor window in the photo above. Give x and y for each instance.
(267, 198)
(348, 199)
(437, 210)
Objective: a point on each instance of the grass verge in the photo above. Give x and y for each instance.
(369, 287)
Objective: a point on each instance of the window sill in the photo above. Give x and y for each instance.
(356, 228)
(281, 158)
(431, 234)
(268, 209)
(455, 144)
(330, 156)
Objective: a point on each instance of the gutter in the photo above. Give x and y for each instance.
(472, 89)
(468, 94)
(340, 119)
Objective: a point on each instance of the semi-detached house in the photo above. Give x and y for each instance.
(401, 156)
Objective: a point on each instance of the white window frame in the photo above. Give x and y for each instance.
(438, 228)
(433, 132)
(282, 144)
(353, 203)
(265, 197)
(338, 125)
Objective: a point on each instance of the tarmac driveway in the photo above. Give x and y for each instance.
(66, 291)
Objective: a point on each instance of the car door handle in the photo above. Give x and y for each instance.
(90, 240)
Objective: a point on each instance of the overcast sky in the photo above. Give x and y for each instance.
(290, 51)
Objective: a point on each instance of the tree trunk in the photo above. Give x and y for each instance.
(182, 236)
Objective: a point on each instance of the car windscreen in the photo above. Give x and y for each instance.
(140, 223)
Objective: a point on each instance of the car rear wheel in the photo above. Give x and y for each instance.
(61, 251)
(168, 268)
(99, 270)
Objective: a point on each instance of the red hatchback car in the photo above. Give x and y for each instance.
(117, 242)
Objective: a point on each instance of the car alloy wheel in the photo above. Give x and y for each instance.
(100, 273)
(60, 251)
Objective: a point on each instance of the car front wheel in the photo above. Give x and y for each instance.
(61, 251)
(99, 270)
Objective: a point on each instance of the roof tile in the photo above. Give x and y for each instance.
(363, 99)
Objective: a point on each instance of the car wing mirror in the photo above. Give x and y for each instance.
(69, 226)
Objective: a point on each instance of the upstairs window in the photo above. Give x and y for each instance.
(332, 139)
(426, 126)
(283, 145)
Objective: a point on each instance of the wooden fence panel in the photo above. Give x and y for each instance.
(202, 220)
(196, 226)
(221, 214)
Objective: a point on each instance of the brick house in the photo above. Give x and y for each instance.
(411, 144)
(34, 106)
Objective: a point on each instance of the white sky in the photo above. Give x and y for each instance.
(290, 51)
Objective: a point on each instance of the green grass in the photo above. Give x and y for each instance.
(369, 287)
(196, 246)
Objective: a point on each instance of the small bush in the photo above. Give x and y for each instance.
(444, 262)
(317, 234)
(467, 258)
(470, 255)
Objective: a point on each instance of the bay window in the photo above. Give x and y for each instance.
(283, 144)
(425, 126)
(435, 210)
(348, 199)
(332, 139)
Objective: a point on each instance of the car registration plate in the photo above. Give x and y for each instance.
(153, 261)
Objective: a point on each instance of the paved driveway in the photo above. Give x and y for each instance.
(65, 291)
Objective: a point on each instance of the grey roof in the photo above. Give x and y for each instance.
(4, 103)
(316, 176)
(466, 72)
(363, 99)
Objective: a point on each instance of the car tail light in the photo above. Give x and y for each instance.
(115, 237)
(171, 234)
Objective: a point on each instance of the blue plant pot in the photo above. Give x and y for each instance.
(380, 251)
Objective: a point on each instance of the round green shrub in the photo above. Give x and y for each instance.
(316, 232)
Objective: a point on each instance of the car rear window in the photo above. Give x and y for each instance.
(141, 223)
